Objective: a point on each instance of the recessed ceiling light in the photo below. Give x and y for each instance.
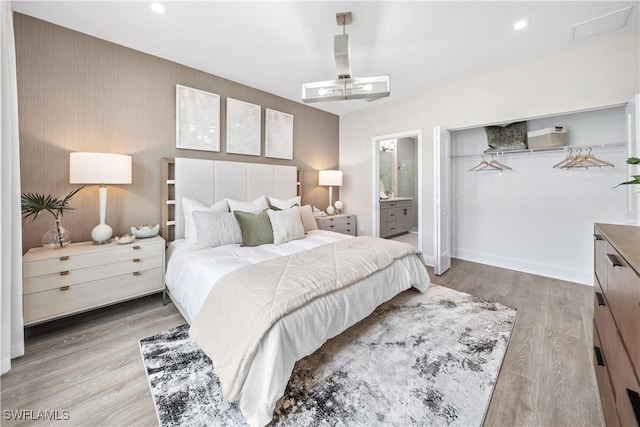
(521, 24)
(159, 8)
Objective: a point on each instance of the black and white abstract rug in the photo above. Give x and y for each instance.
(418, 360)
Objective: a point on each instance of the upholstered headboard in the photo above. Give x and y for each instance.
(210, 181)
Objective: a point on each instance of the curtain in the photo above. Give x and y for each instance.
(11, 321)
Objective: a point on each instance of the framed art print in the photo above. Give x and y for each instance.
(197, 119)
(243, 127)
(278, 135)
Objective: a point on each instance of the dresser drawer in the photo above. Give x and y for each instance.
(53, 303)
(73, 259)
(604, 383)
(607, 331)
(600, 259)
(624, 382)
(623, 296)
(81, 275)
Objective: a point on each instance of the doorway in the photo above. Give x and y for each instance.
(397, 180)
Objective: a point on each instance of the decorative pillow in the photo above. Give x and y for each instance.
(258, 205)
(286, 225)
(509, 137)
(308, 220)
(189, 206)
(216, 228)
(284, 204)
(255, 227)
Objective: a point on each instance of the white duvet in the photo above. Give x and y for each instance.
(193, 271)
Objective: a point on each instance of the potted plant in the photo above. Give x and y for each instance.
(636, 178)
(32, 204)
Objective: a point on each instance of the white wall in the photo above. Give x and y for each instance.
(536, 218)
(592, 76)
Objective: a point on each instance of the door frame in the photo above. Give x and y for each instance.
(375, 213)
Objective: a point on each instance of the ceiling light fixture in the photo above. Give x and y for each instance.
(159, 8)
(345, 86)
(521, 24)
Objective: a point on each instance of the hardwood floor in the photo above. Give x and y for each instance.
(90, 364)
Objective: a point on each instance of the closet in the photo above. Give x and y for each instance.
(528, 215)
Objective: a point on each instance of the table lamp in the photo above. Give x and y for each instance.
(330, 178)
(102, 169)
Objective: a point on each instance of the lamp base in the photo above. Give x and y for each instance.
(101, 234)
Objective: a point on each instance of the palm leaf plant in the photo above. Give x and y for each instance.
(33, 203)
(636, 178)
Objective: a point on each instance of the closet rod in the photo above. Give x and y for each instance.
(612, 146)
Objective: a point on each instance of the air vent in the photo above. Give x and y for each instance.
(600, 24)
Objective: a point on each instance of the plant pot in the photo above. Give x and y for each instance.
(57, 237)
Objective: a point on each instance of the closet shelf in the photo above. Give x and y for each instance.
(611, 146)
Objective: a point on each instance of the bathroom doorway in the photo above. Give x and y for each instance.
(397, 187)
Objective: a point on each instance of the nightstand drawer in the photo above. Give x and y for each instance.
(344, 229)
(54, 261)
(53, 303)
(345, 224)
(81, 275)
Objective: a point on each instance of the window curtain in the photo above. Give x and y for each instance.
(11, 321)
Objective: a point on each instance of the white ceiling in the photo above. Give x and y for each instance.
(275, 46)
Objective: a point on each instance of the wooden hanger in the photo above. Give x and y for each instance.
(586, 162)
(493, 164)
(566, 160)
(598, 161)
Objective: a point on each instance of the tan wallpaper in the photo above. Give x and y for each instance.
(80, 93)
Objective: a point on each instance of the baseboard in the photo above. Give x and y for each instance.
(555, 272)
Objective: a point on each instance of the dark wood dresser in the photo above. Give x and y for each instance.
(616, 323)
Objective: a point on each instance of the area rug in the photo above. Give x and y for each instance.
(419, 359)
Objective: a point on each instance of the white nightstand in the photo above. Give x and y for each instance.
(345, 224)
(84, 276)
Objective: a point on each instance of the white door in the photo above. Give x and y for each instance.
(441, 139)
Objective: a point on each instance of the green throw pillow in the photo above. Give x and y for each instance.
(255, 227)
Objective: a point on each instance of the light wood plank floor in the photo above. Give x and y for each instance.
(90, 364)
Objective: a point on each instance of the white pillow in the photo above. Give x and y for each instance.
(189, 206)
(258, 205)
(308, 220)
(216, 228)
(286, 225)
(284, 204)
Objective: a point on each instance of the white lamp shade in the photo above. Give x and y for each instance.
(330, 177)
(99, 168)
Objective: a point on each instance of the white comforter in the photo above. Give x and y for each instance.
(192, 271)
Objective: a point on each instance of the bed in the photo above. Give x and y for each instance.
(195, 271)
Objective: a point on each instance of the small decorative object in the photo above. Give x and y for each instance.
(197, 119)
(338, 205)
(636, 178)
(330, 210)
(127, 238)
(144, 231)
(32, 204)
(243, 127)
(278, 135)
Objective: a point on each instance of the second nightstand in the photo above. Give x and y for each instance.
(345, 224)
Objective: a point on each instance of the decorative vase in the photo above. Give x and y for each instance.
(57, 237)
